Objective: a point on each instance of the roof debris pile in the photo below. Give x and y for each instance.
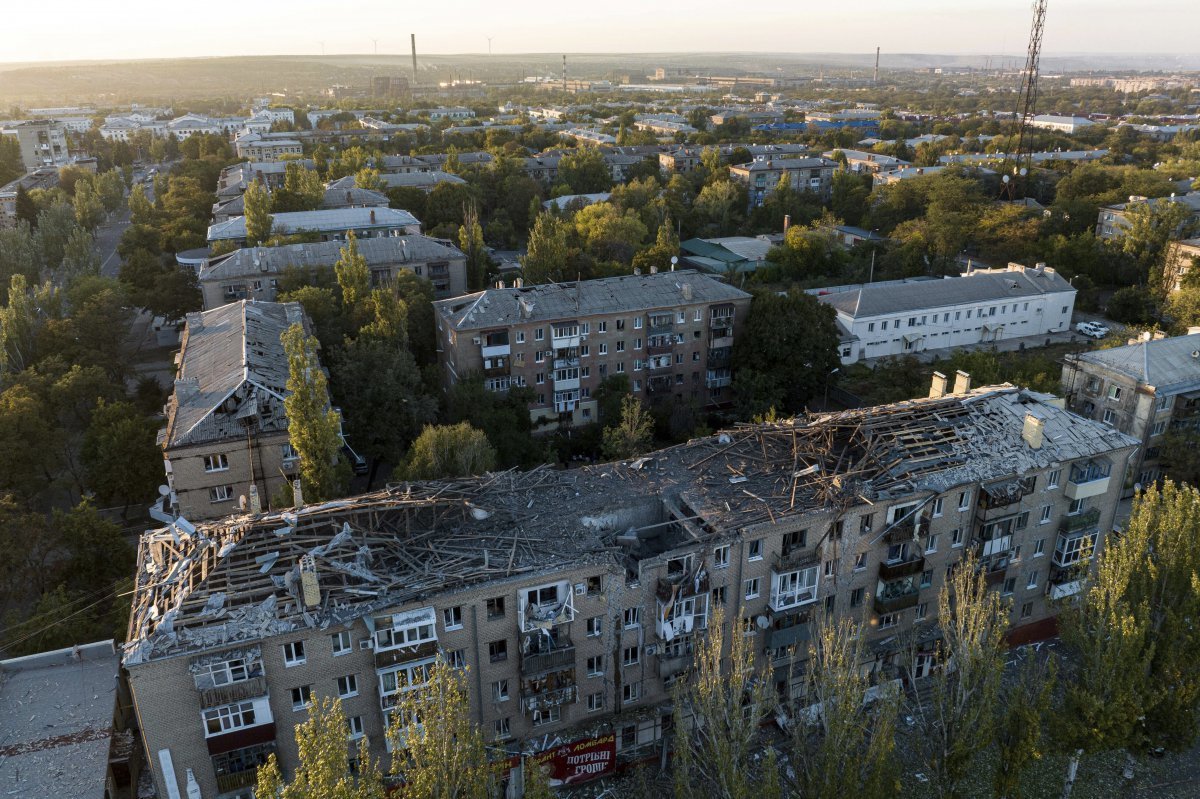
(252, 576)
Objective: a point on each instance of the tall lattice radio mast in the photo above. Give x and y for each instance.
(1019, 160)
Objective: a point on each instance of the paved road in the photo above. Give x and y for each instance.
(108, 235)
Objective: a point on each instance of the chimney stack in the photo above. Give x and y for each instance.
(787, 223)
(414, 54)
(372, 216)
(255, 501)
(297, 494)
(962, 382)
(938, 389)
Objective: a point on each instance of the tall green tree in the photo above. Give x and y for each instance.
(585, 171)
(257, 202)
(546, 258)
(24, 206)
(122, 462)
(324, 770)
(312, 424)
(848, 747)
(89, 208)
(958, 720)
(717, 718)
(470, 241)
(353, 275)
(442, 757)
(302, 190)
(110, 187)
(1027, 708)
(633, 432)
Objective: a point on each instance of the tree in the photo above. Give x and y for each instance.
(19, 323)
(847, 747)
(54, 229)
(787, 350)
(631, 435)
(503, 418)
(1132, 305)
(720, 204)
(302, 190)
(1151, 228)
(353, 274)
(442, 757)
(1180, 453)
(585, 171)
(142, 211)
(660, 253)
(448, 451)
(122, 463)
(110, 186)
(958, 720)
(1027, 707)
(24, 207)
(89, 209)
(849, 200)
(470, 241)
(368, 179)
(609, 234)
(717, 718)
(537, 780)
(312, 425)
(79, 257)
(546, 258)
(1135, 685)
(324, 770)
(259, 221)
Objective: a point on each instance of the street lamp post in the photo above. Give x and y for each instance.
(831, 374)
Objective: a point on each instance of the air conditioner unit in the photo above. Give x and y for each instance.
(475, 340)
(580, 589)
(366, 643)
(651, 649)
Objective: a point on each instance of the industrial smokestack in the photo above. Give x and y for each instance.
(876, 65)
(414, 52)
(564, 72)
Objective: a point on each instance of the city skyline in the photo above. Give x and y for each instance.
(976, 27)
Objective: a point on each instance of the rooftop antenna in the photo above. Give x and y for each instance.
(414, 53)
(876, 65)
(1017, 165)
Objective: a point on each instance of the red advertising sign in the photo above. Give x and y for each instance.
(580, 761)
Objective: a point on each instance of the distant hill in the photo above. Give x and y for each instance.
(113, 82)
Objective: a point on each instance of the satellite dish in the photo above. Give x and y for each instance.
(164, 491)
(1023, 171)
(1195, 354)
(1005, 178)
(763, 622)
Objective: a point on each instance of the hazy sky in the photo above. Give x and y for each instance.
(86, 29)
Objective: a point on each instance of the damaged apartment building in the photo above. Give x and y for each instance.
(576, 598)
(226, 438)
(670, 333)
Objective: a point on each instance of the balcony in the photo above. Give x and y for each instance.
(390, 657)
(234, 692)
(907, 529)
(786, 594)
(1080, 521)
(537, 663)
(565, 337)
(660, 325)
(797, 557)
(495, 367)
(721, 341)
(724, 320)
(901, 568)
(719, 357)
(237, 779)
(543, 700)
(566, 363)
(995, 546)
(567, 383)
(994, 573)
(798, 633)
(714, 381)
(671, 667)
(664, 348)
(1064, 590)
(895, 602)
(1006, 492)
(1089, 480)
(687, 585)
(496, 350)
(545, 616)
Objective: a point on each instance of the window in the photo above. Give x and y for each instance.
(355, 726)
(927, 578)
(418, 628)
(718, 595)
(637, 323)
(456, 658)
(1039, 547)
(752, 588)
(1009, 585)
(1158, 429)
(520, 336)
(225, 672)
(1032, 582)
(293, 654)
(595, 702)
(637, 343)
(721, 557)
(620, 367)
(602, 327)
(621, 345)
(631, 656)
(865, 521)
(595, 666)
(347, 686)
(931, 544)
(1114, 393)
(887, 620)
(539, 378)
(860, 561)
(220, 493)
(1047, 510)
(1026, 610)
(964, 500)
(1052, 479)
(956, 537)
(631, 691)
(452, 618)
(755, 550)
(495, 607)
(594, 626)
(228, 717)
(498, 650)
(539, 334)
(1073, 548)
(856, 597)
(604, 349)
(549, 716)
(584, 352)
(501, 727)
(500, 691)
(922, 610)
(1075, 508)
(301, 697)
(937, 506)
(831, 566)
(1110, 417)
(216, 463)
(341, 643)
(632, 618)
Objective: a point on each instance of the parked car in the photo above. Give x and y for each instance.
(1092, 329)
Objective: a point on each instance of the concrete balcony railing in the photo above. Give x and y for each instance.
(1080, 521)
(797, 558)
(547, 699)
(896, 602)
(234, 692)
(237, 779)
(901, 568)
(542, 662)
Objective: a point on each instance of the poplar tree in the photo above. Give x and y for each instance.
(353, 275)
(546, 259)
(258, 219)
(470, 241)
(717, 719)
(324, 771)
(958, 721)
(632, 434)
(848, 749)
(312, 424)
(437, 750)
